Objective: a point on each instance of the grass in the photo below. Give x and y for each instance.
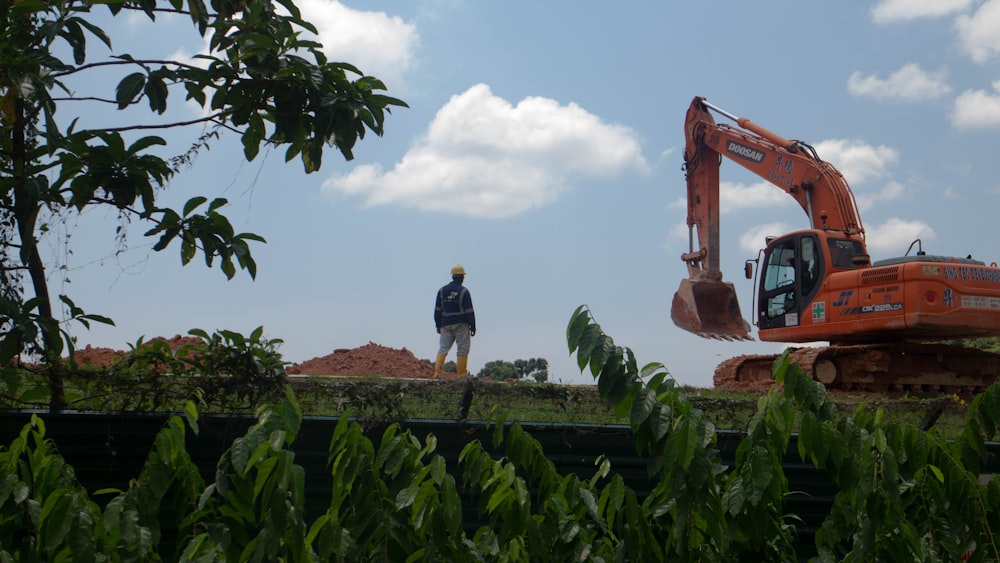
(379, 399)
(375, 397)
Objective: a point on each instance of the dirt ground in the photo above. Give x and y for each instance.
(370, 359)
(104, 357)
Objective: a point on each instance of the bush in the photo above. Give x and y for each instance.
(903, 494)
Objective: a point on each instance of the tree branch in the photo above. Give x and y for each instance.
(122, 62)
(84, 99)
(210, 119)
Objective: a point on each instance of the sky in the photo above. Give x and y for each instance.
(542, 150)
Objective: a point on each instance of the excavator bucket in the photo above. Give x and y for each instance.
(709, 309)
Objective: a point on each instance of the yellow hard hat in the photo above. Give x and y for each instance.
(457, 270)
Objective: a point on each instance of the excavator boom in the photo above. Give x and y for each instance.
(793, 166)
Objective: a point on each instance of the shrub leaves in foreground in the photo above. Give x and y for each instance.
(903, 494)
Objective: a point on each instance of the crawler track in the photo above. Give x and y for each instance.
(905, 367)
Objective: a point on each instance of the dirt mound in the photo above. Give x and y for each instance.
(370, 359)
(105, 357)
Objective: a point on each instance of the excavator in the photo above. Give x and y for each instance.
(882, 323)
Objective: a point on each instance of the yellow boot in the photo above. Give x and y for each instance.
(437, 365)
(463, 362)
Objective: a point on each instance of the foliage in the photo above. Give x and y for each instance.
(518, 369)
(226, 370)
(45, 514)
(498, 370)
(536, 368)
(985, 343)
(260, 79)
(903, 494)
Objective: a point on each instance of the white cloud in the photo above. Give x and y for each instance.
(977, 109)
(908, 84)
(979, 33)
(857, 161)
(678, 232)
(889, 11)
(890, 191)
(483, 157)
(378, 44)
(735, 196)
(893, 237)
(754, 239)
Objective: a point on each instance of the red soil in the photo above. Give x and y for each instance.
(104, 357)
(370, 359)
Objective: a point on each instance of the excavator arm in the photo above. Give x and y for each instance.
(817, 186)
(704, 304)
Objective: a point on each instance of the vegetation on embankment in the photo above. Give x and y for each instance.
(142, 383)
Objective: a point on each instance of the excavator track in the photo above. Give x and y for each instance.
(897, 367)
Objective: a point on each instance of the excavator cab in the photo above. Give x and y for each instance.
(793, 266)
(793, 270)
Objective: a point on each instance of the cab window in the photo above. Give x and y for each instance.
(810, 265)
(779, 280)
(842, 253)
(780, 269)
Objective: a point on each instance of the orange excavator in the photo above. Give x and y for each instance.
(881, 319)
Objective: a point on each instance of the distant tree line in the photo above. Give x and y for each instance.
(535, 368)
(500, 370)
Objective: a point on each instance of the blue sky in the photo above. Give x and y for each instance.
(542, 150)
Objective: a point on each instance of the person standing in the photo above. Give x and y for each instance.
(455, 321)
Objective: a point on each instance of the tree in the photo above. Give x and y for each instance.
(498, 370)
(518, 369)
(538, 368)
(260, 80)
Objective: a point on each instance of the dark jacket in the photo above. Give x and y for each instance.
(454, 306)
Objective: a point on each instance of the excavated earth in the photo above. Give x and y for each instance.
(105, 357)
(370, 359)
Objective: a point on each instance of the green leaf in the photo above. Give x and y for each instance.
(761, 472)
(96, 31)
(611, 379)
(156, 93)
(588, 340)
(57, 517)
(660, 421)
(938, 474)
(191, 415)
(643, 405)
(578, 321)
(685, 442)
(129, 88)
(603, 349)
(146, 142)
